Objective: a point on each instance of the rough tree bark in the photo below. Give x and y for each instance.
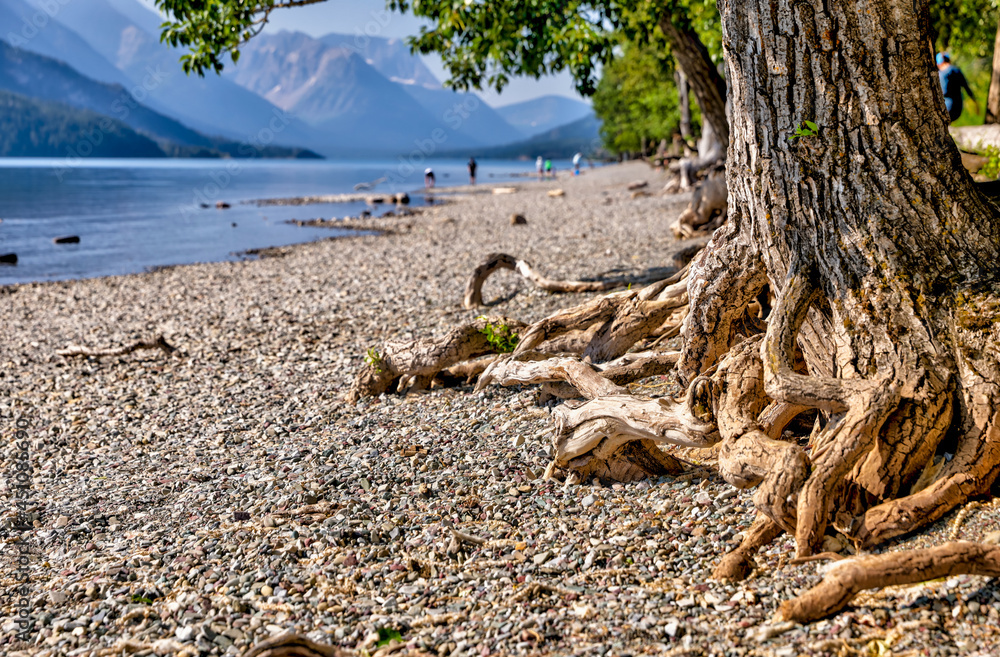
(880, 251)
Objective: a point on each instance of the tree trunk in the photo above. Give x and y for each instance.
(684, 104)
(881, 254)
(993, 97)
(708, 86)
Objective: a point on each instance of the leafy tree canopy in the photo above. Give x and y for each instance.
(483, 43)
(636, 99)
(966, 28)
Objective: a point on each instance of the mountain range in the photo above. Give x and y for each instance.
(337, 95)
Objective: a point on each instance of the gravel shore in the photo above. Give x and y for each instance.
(201, 502)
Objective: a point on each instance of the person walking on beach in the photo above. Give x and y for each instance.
(429, 178)
(539, 166)
(953, 82)
(549, 173)
(472, 170)
(576, 163)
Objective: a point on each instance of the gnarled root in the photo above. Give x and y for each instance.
(576, 373)
(600, 427)
(587, 380)
(622, 319)
(496, 261)
(630, 461)
(845, 579)
(737, 565)
(413, 365)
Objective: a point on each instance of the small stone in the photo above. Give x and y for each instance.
(60, 522)
(184, 633)
(541, 557)
(266, 591)
(588, 501)
(672, 626)
(833, 544)
(993, 538)
(518, 220)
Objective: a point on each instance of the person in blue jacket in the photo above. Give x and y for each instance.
(953, 82)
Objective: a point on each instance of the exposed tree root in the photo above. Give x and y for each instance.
(158, 342)
(413, 365)
(708, 208)
(845, 579)
(622, 318)
(496, 261)
(581, 376)
(464, 373)
(587, 380)
(737, 565)
(293, 645)
(600, 427)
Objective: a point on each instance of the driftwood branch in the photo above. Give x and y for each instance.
(157, 343)
(845, 579)
(496, 261)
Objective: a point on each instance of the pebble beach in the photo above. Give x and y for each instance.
(200, 502)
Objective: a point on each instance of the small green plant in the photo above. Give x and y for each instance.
(141, 599)
(387, 635)
(806, 129)
(991, 169)
(499, 336)
(374, 359)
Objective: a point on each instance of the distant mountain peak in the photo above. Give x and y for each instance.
(539, 115)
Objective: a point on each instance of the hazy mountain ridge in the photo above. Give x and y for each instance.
(343, 95)
(539, 115)
(336, 88)
(47, 80)
(580, 136)
(210, 104)
(20, 22)
(36, 128)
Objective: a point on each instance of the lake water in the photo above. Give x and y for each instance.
(132, 215)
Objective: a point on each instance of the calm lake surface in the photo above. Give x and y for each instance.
(132, 215)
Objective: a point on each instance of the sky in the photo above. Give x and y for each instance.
(370, 17)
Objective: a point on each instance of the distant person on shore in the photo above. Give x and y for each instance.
(540, 167)
(429, 178)
(953, 82)
(549, 173)
(472, 170)
(576, 163)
